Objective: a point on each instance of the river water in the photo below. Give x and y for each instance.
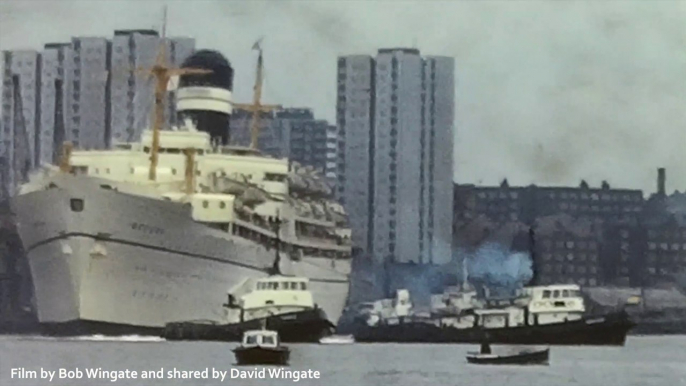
(644, 361)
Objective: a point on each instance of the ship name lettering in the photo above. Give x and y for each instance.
(149, 229)
(150, 295)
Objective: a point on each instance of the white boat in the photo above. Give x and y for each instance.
(261, 347)
(126, 240)
(280, 303)
(337, 339)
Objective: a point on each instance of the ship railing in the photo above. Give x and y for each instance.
(256, 220)
(324, 239)
(299, 251)
(314, 221)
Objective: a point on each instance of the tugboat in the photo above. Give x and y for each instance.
(261, 347)
(541, 315)
(280, 303)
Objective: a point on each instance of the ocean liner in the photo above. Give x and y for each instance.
(125, 240)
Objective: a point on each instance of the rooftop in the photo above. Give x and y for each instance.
(411, 51)
(124, 32)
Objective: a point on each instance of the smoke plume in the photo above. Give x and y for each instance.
(498, 268)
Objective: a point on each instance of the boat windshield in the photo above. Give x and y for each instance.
(252, 339)
(565, 293)
(268, 340)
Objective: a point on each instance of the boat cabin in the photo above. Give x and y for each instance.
(261, 347)
(273, 295)
(500, 317)
(260, 338)
(283, 283)
(555, 303)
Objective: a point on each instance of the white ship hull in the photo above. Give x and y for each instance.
(128, 260)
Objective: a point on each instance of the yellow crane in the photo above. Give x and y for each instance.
(256, 107)
(162, 74)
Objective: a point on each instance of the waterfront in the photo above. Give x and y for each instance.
(644, 361)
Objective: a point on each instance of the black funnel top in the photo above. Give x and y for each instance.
(222, 72)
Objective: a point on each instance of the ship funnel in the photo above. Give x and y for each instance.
(206, 98)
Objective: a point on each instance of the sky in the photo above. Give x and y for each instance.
(547, 92)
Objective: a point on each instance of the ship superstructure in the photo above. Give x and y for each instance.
(467, 308)
(234, 189)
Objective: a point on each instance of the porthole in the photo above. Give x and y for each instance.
(76, 205)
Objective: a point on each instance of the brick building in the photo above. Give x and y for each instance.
(568, 250)
(589, 236)
(526, 204)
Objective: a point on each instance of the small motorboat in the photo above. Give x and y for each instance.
(261, 347)
(337, 339)
(526, 356)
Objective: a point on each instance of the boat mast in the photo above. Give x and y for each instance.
(190, 170)
(65, 160)
(256, 108)
(162, 74)
(276, 227)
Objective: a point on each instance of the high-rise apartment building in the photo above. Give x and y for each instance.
(87, 94)
(331, 155)
(292, 133)
(132, 92)
(56, 73)
(395, 117)
(86, 91)
(21, 78)
(355, 122)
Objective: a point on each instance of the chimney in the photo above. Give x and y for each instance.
(661, 178)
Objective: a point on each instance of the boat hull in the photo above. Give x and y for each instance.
(526, 358)
(301, 327)
(262, 356)
(113, 261)
(608, 330)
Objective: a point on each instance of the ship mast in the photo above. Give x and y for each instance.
(256, 107)
(162, 74)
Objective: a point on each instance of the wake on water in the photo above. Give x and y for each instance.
(92, 338)
(124, 338)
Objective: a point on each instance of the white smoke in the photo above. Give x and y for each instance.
(499, 268)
